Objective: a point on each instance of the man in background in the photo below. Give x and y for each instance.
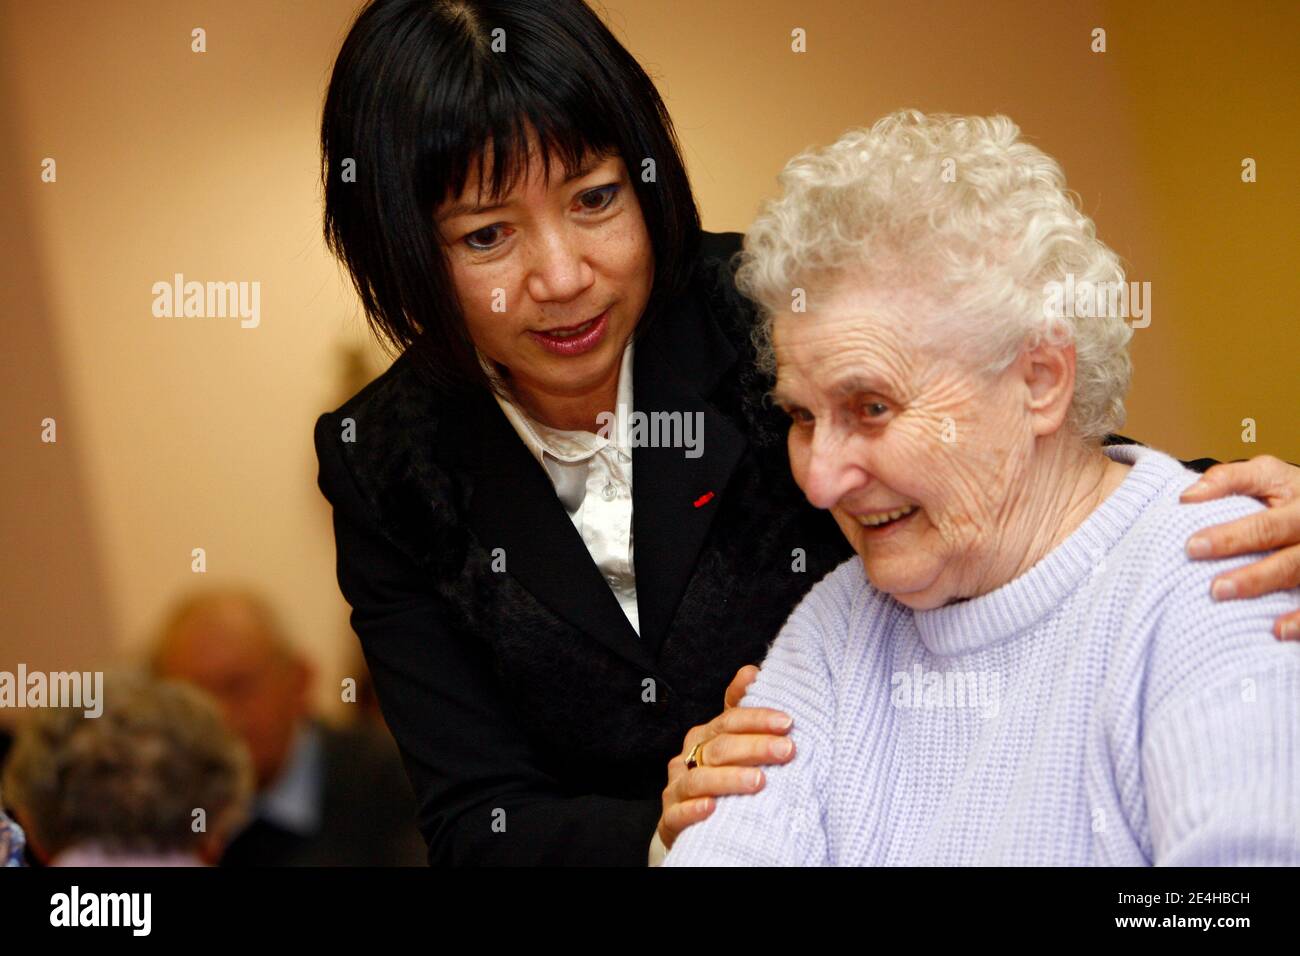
(324, 796)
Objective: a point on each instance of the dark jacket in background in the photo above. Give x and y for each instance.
(367, 811)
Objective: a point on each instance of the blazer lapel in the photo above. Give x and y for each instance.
(513, 507)
(675, 497)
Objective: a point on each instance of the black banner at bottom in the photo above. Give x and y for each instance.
(334, 906)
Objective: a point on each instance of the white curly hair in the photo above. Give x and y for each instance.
(958, 207)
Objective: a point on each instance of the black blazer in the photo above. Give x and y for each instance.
(535, 725)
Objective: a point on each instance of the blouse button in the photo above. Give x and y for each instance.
(609, 492)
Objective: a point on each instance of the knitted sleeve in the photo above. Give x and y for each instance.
(1220, 749)
(783, 824)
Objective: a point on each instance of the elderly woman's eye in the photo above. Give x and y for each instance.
(875, 409)
(800, 416)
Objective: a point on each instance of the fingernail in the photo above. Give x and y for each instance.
(752, 779)
(1291, 630)
(1223, 590)
(1198, 548)
(782, 748)
(782, 723)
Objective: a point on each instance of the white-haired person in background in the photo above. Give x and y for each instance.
(12, 840)
(156, 780)
(1021, 665)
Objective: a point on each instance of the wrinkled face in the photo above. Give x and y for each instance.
(916, 453)
(553, 279)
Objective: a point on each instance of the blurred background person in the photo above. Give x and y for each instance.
(122, 789)
(324, 795)
(13, 841)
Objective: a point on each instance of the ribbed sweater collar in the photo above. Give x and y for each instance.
(981, 622)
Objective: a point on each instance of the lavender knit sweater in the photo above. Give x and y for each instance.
(1099, 709)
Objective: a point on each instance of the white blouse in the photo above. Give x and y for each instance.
(592, 476)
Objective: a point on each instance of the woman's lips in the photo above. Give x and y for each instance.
(880, 530)
(575, 340)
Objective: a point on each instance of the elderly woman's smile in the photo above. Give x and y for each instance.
(928, 462)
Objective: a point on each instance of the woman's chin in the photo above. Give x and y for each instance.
(903, 580)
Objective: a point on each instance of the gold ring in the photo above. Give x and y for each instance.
(696, 757)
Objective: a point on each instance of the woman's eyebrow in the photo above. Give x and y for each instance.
(468, 209)
(778, 396)
(854, 385)
(473, 209)
(847, 387)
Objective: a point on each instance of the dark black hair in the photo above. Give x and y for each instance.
(416, 96)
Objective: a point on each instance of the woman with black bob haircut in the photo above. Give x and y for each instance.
(555, 73)
(564, 516)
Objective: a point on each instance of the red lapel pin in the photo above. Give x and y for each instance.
(704, 499)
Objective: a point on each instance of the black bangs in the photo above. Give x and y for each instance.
(563, 114)
(427, 95)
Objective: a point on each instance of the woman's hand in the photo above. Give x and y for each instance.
(733, 746)
(1277, 484)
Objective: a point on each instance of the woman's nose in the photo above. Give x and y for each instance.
(832, 473)
(559, 270)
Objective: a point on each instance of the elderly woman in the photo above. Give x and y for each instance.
(1021, 665)
(125, 788)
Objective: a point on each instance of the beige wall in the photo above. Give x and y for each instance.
(176, 434)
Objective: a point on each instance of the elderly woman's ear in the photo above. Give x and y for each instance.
(1047, 371)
